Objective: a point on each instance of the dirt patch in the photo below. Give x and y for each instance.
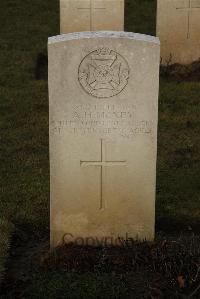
(24, 260)
(166, 268)
(181, 73)
(176, 262)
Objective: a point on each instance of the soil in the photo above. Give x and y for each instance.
(166, 268)
(181, 73)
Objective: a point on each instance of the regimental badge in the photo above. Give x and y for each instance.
(103, 73)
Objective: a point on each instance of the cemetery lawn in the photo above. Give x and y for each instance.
(24, 160)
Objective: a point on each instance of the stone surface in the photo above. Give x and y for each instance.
(178, 27)
(91, 15)
(103, 93)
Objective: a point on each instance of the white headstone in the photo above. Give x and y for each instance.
(103, 93)
(91, 15)
(178, 27)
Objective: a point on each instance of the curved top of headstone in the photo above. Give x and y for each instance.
(103, 34)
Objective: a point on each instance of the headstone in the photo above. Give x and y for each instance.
(178, 27)
(91, 15)
(103, 93)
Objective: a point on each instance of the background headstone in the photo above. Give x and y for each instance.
(103, 93)
(178, 27)
(91, 15)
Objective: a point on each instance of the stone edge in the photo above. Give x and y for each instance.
(103, 34)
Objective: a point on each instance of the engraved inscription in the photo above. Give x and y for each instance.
(102, 163)
(104, 119)
(103, 73)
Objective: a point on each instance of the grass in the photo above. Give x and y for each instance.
(79, 286)
(24, 161)
(24, 178)
(178, 171)
(6, 229)
(140, 16)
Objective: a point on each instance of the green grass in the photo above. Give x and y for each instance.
(6, 229)
(24, 161)
(24, 29)
(140, 16)
(178, 171)
(60, 284)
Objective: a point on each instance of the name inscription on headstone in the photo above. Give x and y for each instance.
(102, 119)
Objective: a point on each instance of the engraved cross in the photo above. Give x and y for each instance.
(102, 163)
(189, 9)
(91, 8)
